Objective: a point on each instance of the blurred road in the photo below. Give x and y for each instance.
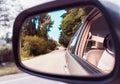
(23, 78)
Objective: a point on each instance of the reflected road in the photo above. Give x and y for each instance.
(53, 62)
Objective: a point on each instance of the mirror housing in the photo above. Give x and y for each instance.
(52, 6)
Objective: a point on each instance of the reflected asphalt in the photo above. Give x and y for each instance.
(53, 62)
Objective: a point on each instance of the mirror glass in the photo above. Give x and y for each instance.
(72, 41)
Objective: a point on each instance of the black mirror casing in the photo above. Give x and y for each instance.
(111, 18)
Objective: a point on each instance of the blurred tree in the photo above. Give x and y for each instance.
(9, 9)
(8, 39)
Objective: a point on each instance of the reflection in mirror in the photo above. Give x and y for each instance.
(46, 47)
(96, 46)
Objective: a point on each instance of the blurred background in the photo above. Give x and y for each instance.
(9, 9)
(9, 73)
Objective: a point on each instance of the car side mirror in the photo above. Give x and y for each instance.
(60, 40)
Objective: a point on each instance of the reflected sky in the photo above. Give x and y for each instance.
(56, 17)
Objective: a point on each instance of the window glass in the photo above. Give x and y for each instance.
(73, 43)
(96, 36)
(95, 50)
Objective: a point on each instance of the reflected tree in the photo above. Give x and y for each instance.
(34, 36)
(71, 21)
(37, 26)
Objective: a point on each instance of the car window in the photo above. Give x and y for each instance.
(93, 49)
(96, 36)
(73, 45)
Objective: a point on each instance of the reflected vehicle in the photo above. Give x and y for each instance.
(54, 43)
(91, 46)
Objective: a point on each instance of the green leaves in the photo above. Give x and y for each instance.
(38, 25)
(71, 21)
(34, 45)
(34, 36)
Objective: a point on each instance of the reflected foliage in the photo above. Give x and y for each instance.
(35, 39)
(37, 25)
(34, 36)
(34, 45)
(71, 22)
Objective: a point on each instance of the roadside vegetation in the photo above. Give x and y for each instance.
(71, 22)
(6, 54)
(7, 65)
(34, 46)
(34, 37)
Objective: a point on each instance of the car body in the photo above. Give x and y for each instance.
(77, 49)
